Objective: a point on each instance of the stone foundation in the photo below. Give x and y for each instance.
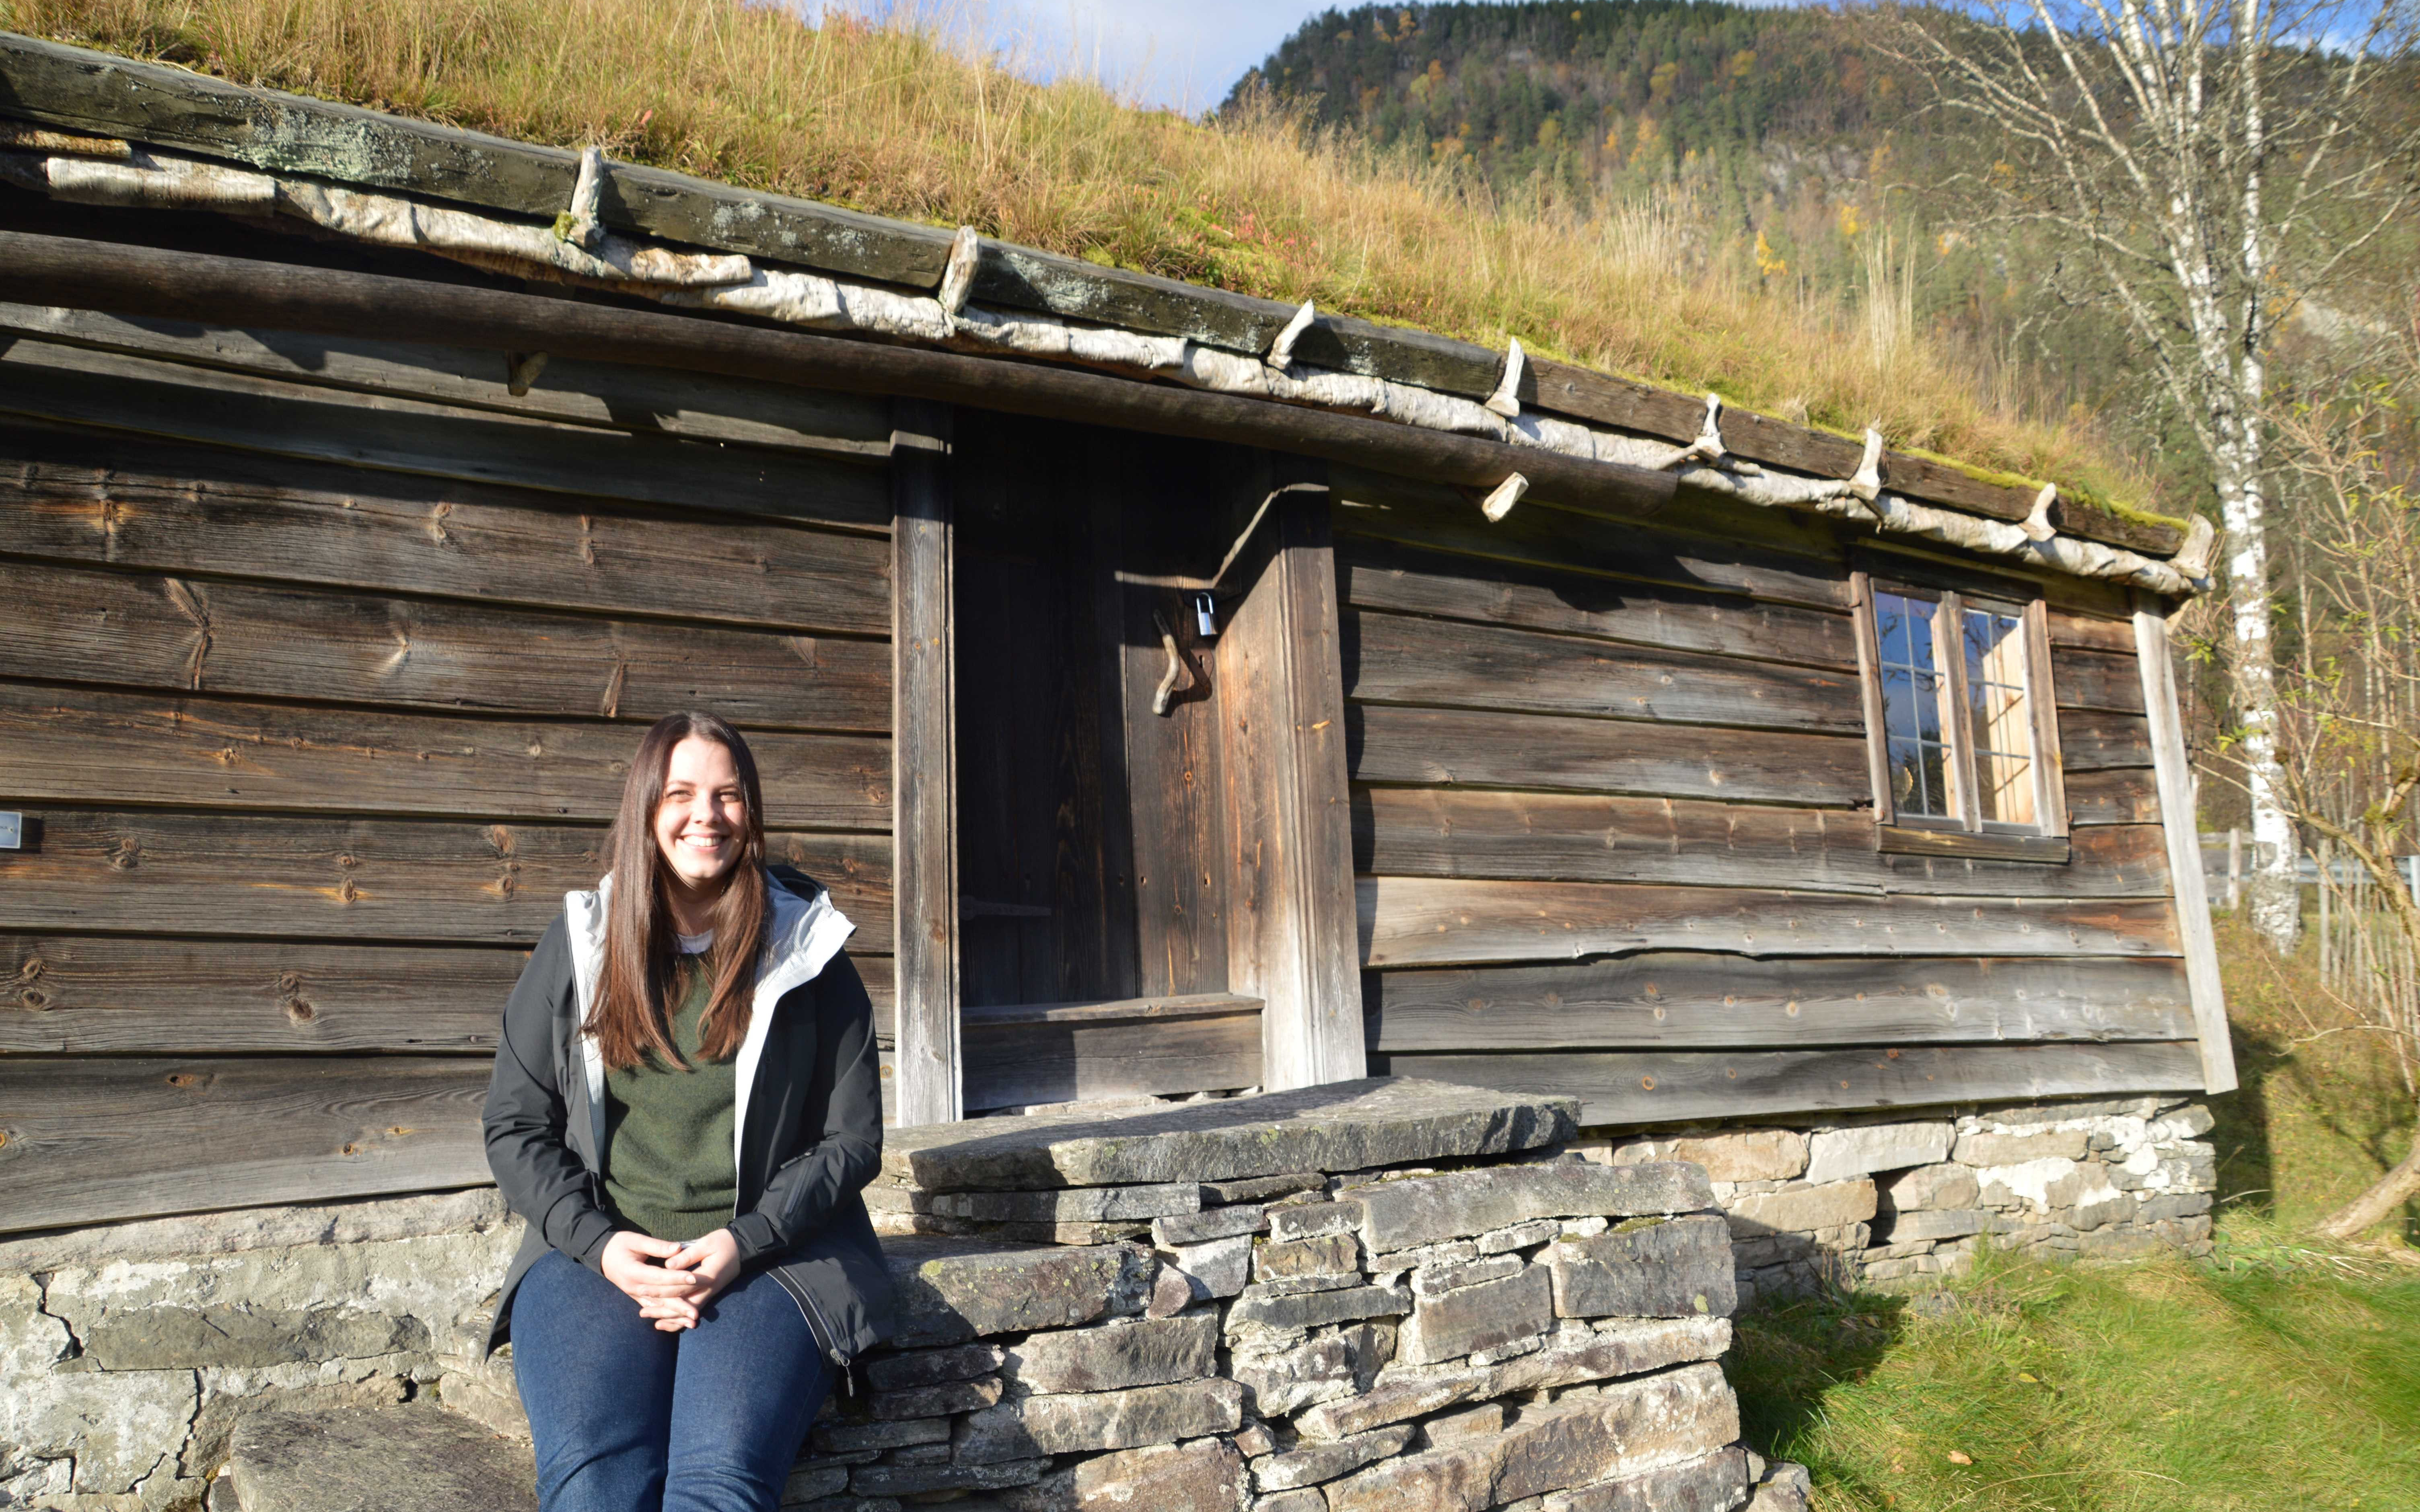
(1898, 1203)
(1387, 1295)
(1359, 1299)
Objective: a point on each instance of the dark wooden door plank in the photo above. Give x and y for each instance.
(1289, 850)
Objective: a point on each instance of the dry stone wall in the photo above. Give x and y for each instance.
(1389, 1295)
(1385, 1295)
(1902, 1202)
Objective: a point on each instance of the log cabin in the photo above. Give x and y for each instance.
(1183, 692)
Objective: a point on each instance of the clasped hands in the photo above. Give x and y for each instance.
(671, 1281)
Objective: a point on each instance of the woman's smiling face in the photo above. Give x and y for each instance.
(701, 824)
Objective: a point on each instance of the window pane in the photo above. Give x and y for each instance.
(2002, 718)
(1904, 627)
(1890, 627)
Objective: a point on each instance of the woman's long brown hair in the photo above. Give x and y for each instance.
(641, 954)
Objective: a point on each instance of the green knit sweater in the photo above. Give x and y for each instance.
(668, 1155)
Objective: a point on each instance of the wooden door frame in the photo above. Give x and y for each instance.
(928, 1086)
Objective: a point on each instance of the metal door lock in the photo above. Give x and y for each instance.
(1205, 616)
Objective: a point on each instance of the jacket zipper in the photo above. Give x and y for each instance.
(814, 1313)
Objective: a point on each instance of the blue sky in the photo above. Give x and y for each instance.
(1166, 53)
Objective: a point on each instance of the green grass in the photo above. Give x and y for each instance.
(2280, 1374)
(2247, 1384)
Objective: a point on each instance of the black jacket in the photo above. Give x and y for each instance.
(808, 1131)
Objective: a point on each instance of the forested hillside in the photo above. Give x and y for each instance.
(1773, 141)
(1599, 95)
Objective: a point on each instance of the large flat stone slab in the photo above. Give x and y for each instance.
(379, 1459)
(1344, 1126)
(1630, 1430)
(950, 1290)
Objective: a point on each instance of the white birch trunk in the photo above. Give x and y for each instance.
(2275, 898)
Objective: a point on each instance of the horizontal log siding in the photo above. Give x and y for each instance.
(1614, 836)
(1655, 1087)
(316, 701)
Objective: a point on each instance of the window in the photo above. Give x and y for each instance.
(1957, 708)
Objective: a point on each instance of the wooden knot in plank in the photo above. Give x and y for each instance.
(195, 605)
(128, 856)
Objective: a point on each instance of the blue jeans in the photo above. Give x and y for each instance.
(630, 1419)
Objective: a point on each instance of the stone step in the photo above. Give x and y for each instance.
(375, 1459)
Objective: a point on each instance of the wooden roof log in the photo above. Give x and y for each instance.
(127, 280)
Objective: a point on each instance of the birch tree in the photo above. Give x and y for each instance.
(2199, 166)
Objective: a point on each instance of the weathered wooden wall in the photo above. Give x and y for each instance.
(1613, 832)
(320, 663)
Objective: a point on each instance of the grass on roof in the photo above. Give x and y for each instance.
(897, 120)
